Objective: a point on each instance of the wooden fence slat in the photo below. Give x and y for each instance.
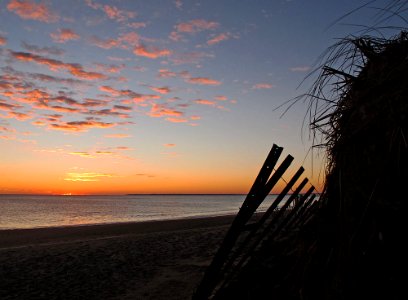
(251, 203)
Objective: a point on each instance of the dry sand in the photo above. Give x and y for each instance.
(148, 260)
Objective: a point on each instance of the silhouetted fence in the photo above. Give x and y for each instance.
(246, 234)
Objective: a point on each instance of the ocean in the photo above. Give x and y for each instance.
(36, 211)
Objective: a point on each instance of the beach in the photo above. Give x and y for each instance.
(140, 260)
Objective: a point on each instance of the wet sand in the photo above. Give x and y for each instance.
(147, 260)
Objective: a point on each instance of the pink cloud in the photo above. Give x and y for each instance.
(112, 12)
(104, 43)
(152, 52)
(110, 68)
(196, 26)
(203, 81)
(175, 36)
(221, 98)
(130, 38)
(115, 13)
(137, 25)
(218, 38)
(165, 73)
(124, 40)
(63, 35)
(178, 4)
(90, 3)
(169, 145)
(30, 10)
(259, 86)
(189, 57)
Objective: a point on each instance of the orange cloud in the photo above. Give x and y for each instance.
(203, 81)
(53, 64)
(196, 26)
(161, 90)
(108, 112)
(218, 38)
(27, 9)
(80, 126)
(176, 120)
(195, 117)
(169, 145)
(205, 102)
(63, 35)
(3, 40)
(160, 110)
(128, 93)
(122, 107)
(259, 86)
(8, 107)
(152, 52)
(19, 116)
(93, 103)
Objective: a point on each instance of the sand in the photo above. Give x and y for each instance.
(148, 260)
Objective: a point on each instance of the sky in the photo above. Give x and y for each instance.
(118, 97)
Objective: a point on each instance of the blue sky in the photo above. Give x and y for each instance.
(157, 96)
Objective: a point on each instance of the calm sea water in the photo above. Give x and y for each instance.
(28, 211)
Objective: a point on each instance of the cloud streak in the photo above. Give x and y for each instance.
(151, 52)
(262, 86)
(30, 10)
(64, 35)
(54, 65)
(86, 177)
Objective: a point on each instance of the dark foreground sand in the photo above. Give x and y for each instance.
(149, 260)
